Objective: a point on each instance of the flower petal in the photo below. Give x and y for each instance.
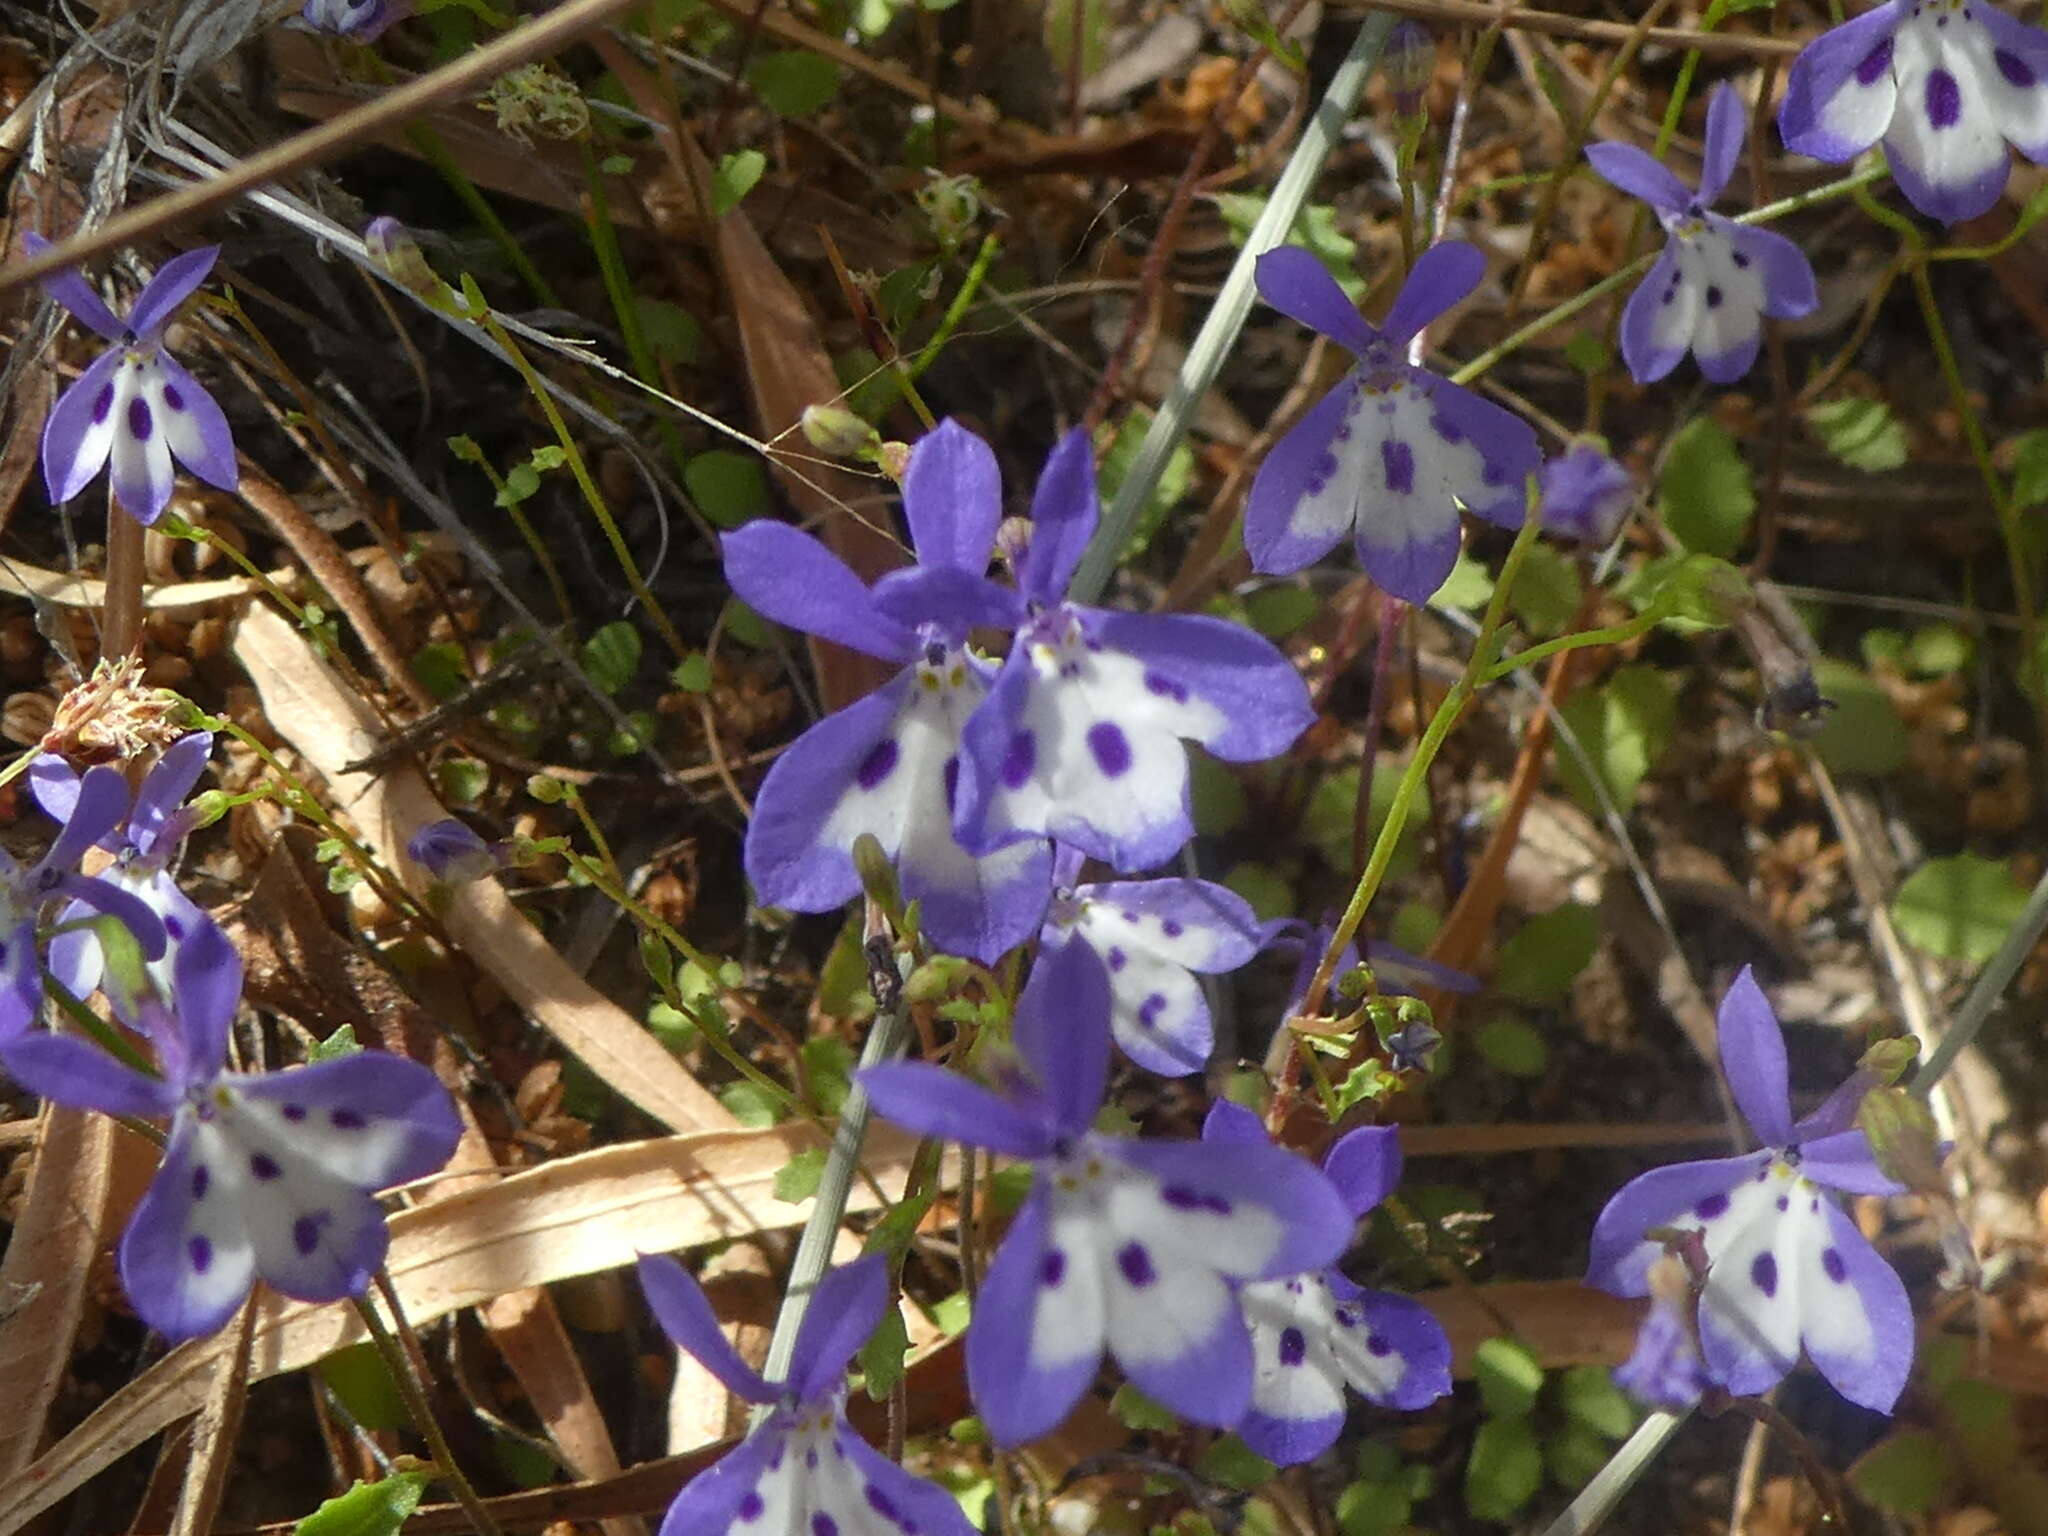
(21, 980)
(1039, 1326)
(1485, 453)
(952, 499)
(78, 434)
(1297, 1405)
(903, 1502)
(1207, 680)
(1234, 1125)
(1672, 1196)
(1845, 1161)
(1755, 1298)
(101, 805)
(65, 1070)
(1789, 289)
(1441, 276)
(1840, 94)
(1159, 1016)
(1664, 1370)
(1062, 1032)
(844, 1309)
(140, 456)
(1305, 495)
(1657, 325)
(1727, 127)
(793, 579)
(1858, 1322)
(1251, 1212)
(1064, 515)
(175, 282)
(186, 1260)
(711, 1501)
(111, 900)
(1945, 143)
(165, 787)
(1365, 1165)
(54, 783)
(1393, 1350)
(1295, 282)
(2010, 61)
(955, 600)
(193, 423)
(934, 1102)
(981, 905)
(69, 288)
(1639, 174)
(684, 1312)
(370, 1119)
(1753, 1060)
(1179, 1336)
(207, 990)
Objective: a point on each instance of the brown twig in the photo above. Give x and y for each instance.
(1576, 28)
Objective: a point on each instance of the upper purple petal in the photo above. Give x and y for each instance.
(208, 990)
(54, 783)
(175, 282)
(1753, 1060)
(1854, 57)
(955, 599)
(101, 806)
(1234, 1125)
(71, 290)
(1062, 1032)
(934, 1102)
(844, 1309)
(1640, 175)
(1295, 282)
(1064, 515)
(1365, 1165)
(1727, 126)
(1845, 1161)
(165, 787)
(952, 498)
(1441, 276)
(685, 1315)
(793, 579)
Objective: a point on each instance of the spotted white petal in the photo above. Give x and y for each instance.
(1297, 1379)
(1160, 1016)
(141, 451)
(1946, 141)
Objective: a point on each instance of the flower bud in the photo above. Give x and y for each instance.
(1410, 66)
(835, 430)
(450, 852)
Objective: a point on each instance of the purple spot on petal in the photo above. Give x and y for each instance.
(1741, 261)
(751, 1508)
(202, 1180)
(201, 1252)
(811, 1459)
(347, 1120)
(306, 1234)
(140, 422)
(1713, 297)
(175, 927)
(1293, 1347)
(1764, 1274)
(293, 1112)
(1346, 1318)
(1397, 459)
(1784, 1202)
(823, 1524)
(264, 1166)
(1053, 1269)
(1136, 1264)
(1182, 1198)
(1112, 750)
(1875, 64)
(1831, 1261)
(2013, 67)
(1172, 928)
(1166, 687)
(1150, 1009)
(1019, 760)
(1116, 959)
(878, 764)
(172, 398)
(103, 407)
(1944, 99)
(882, 1504)
(1711, 1207)
(1379, 1346)
(952, 777)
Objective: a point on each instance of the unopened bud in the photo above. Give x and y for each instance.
(1410, 65)
(546, 788)
(393, 249)
(877, 873)
(893, 459)
(450, 852)
(835, 430)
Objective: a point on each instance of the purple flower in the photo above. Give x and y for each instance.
(363, 21)
(146, 845)
(1129, 1246)
(802, 1470)
(449, 851)
(265, 1173)
(888, 765)
(95, 808)
(1150, 937)
(1786, 1265)
(135, 405)
(1080, 737)
(1946, 84)
(1664, 1370)
(1585, 494)
(1716, 280)
(1314, 1333)
(1392, 452)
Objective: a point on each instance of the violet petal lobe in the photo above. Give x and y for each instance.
(66, 1070)
(1398, 1354)
(1062, 1032)
(934, 1102)
(684, 1312)
(919, 1505)
(1639, 174)
(102, 805)
(952, 498)
(1945, 143)
(1305, 496)
(1657, 324)
(981, 905)
(1505, 448)
(165, 787)
(1442, 276)
(844, 1309)
(194, 426)
(790, 577)
(70, 289)
(111, 900)
(1295, 282)
(186, 1260)
(1859, 1324)
(78, 434)
(1753, 1060)
(2011, 62)
(175, 282)
(1727, 127)
(1064, 516)
(1038, 1330)
(54, 783)
(1234, 1125)
(712, 1500)
(1254, 1212)
(954, 599)
(139, 464)
(1297, 1407)
(1789, 288)
(370, 1119)
(1670, 1196)
(207, 992)
(1182, 1340)
(1840, 93)
(1211, 681)
(1365, 1166)
(1845, 1161)
(1158, 1016)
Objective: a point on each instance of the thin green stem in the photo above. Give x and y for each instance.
(436, 154)
(1613, 634)
(410, 1387)
(1991, 983)
(963, 301)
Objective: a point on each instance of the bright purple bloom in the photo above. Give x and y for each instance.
(1314, 1333)
(1392, 453)
(1946, 84)
(1664, 1370)
(1080, 737)
(135, 405)
(1150, 937)
(1786, 1265)
(363, 21)
(96, 807)
(265, 1174)
(1709, 291)
(146, 845)
(449, 851)
(1129, 1246)
(1585, 494)
(888, 764)
(802, 1471)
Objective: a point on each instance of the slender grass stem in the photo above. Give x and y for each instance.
(412, 1387)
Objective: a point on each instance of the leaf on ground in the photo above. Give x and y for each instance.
(1624, 726)
(1704, 493)
(1862, 433)
(1861, 731)
(1959, 908)
(368, 1509)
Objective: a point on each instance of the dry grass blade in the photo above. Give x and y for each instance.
(577, 1216)
(329, 725)
(213, 1433)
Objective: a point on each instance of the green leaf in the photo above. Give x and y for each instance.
(1935, 650)
(1509, 1377)
(881, 1358)
(1505, 1469)
(1691, 593)
(1705, 492)
(615, 165)
(794, 83)
(1589, 1395)
(521, 481)
(360, 1378)
(612, 655)
(1009, 1187)
(1467, 588)
(1372, 1509)
(1546, 594)
(1326, 823)
(1231, 1463)
(1574, 1453)
(341, 1043)
(1513, 1046)
(670, 330)
(368, 1509)
(1277, 612)
(1539, 964)
(1218, 797)
(1960, 908)
(735, 178)
(1587, 352)
(1134, 1410)
(828, 1068)
(750, 1104)
(1315, 229)
(1264, 887)
(952, 1314)
(797, 1180)
(1624, 726)
(441, 669)
(1862, 732)
(1058, 32)
(746, 626)
(728, 487)
(1861, 433)
(2030, 470)
(1905, 1473)
(1119, 450)
(693, 673)
(462, 780)
(895, 1232)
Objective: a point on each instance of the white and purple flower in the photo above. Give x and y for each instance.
(1133, 1247)
(1080, 736)
(1786, 1267)
(1392, 453)
(265, 1174)
(451, 852)
(1151, 937)
(1315, 1333)
(1716, 280)
(136, 406)
(802, 1471)
(1945, 84)
(889, 764)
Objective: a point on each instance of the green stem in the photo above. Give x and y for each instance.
(410, 1387)
(1614, 634)
(963, 301)
(1991, 982)
(436, 154)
